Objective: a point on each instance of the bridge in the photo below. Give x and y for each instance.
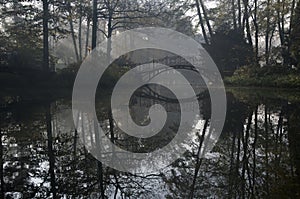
(174, 62)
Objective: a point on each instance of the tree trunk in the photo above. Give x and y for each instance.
(87, 36)
(45, 35)
(256, 32)
(109, 34)
(254, 153)
(271, 36)
(99, 163)
(290, 27)
(198, 160)
(1, 167)
(248, 30)
(233, 10)
(72, 30)
(206, 18)
(50, 151)
(238, 151)
(245, 158)
(79, 33)
(95, 24)
(266, 152)
(280, 30)
(267, 55)
(239, 14)
(201, 22)
(231, 170)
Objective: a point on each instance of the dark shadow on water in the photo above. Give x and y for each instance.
(257, 155)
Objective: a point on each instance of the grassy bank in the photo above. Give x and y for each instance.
(251, 95)
(271, 76)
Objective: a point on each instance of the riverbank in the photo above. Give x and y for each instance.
(253, 94)
(48, 85)
(274, 77)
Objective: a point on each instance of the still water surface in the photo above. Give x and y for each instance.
(256, 156)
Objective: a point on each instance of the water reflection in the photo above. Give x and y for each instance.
(257, 155)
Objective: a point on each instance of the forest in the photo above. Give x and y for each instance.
(47, 146)
(253, 43)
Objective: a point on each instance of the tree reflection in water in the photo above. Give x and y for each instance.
(257, 155)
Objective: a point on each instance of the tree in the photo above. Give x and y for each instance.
(246, 18)
(21, 35)
(204, 10)
(201, 22)
(229, 50)
(95, 24)
(295, 37)
(255, 24)
(1, 167)
(45, 35)
(120, 15)
(50, 150)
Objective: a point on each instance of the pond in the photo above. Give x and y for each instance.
(256, 156)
